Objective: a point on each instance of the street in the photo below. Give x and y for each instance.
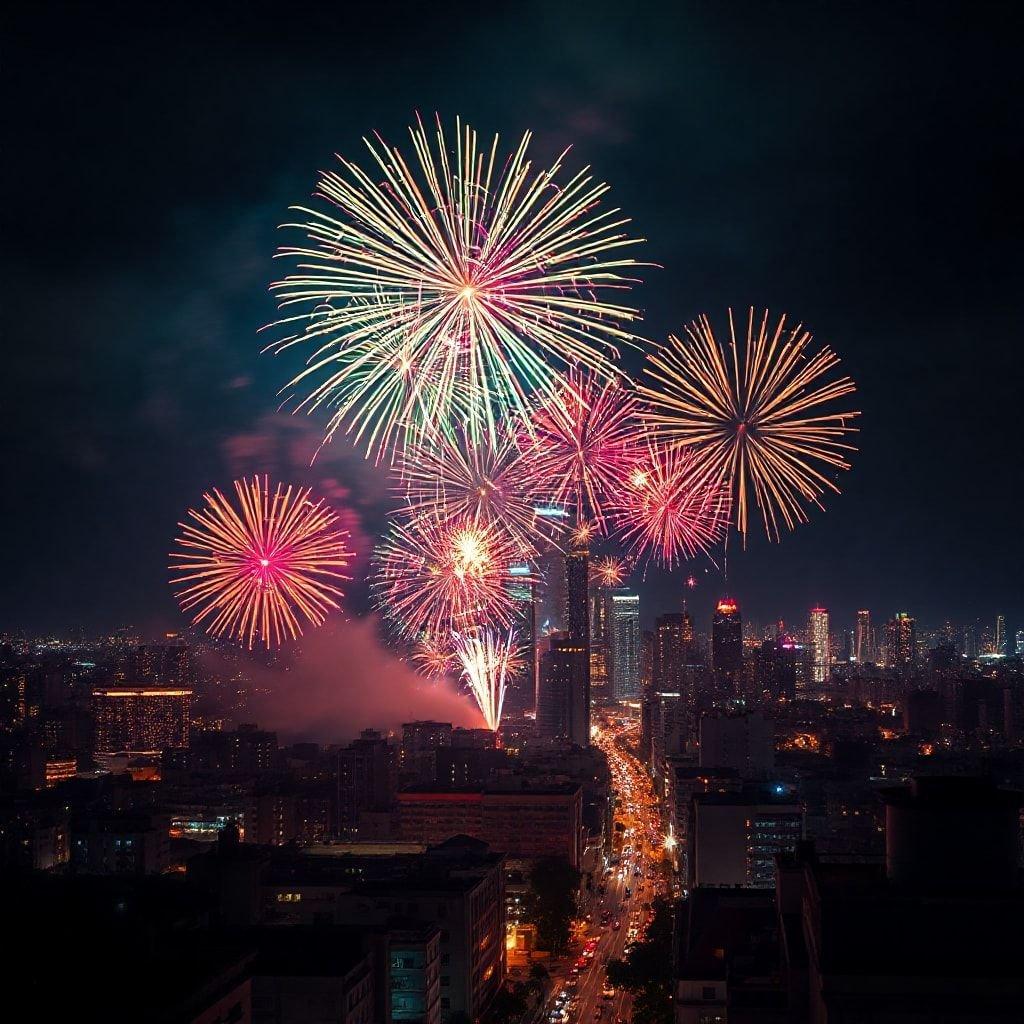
(620, 914)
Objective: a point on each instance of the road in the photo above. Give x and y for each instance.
(632, 881)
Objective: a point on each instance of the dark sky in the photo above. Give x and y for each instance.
(856, 165)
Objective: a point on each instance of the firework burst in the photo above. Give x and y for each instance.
(488, 659)
(754, 409)
(435, 575)
(482, 274)
(252, 571)
(608, 571)
(671, 507)
(488, 484)
(582, 442)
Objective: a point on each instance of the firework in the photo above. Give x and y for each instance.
(754, 410)
(488, 659)
(457, 479)
(671, 507)
(460, 268)
(582, 442)
(435, 575)
(608, 571)
(252, 571)
(433, 655)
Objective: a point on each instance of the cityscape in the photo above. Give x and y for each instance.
(447, 585)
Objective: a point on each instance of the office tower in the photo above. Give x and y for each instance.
(140, 719)
(166, 664)
(901, 643)
(521, 686)
(1018, 644)
(552, 599)
(624, 644)
(737, 836)
(727, 649)
(745, 743)
(673, 638)
(862, 648)
(1000, 647)
(970, 642)
(818, 645)
(776, 671)
(562, 711)
(577, 617)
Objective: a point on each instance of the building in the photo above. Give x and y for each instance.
(367, 778)
(141, 719)
(737, 836)
(418, 753)
(818, 645)
(407, 968)
(120, 844)
(776, 665)
(560, 689)
(745, 743)
(673, 652)
(521, 685)
(577, 588)
(624, 644)
(1001, 648)
(527, 824)
(901, 644)
(727, 649)
(247, 750)
(863, 640)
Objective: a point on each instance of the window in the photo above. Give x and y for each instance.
(708, 992)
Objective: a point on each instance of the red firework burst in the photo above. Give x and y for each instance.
(671, 506)
(254, 570)
(583, 442)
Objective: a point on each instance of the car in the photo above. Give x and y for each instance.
(629, 892)
(616, 924)
(608, 993)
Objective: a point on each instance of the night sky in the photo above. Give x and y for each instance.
(855, 165)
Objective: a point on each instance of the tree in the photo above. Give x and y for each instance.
(507, 1006)
(551, 901)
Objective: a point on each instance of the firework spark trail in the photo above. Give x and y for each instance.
(582, 443)
(488, 660)
(254, 569)
(482, 483)
(672, 506)
(480, 272)
(435, 575)
(748, 409)
(608, 571)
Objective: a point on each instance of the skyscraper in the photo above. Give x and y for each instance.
(818, 643)
(1018, 644)
(140, 719)
(1001, 635)
(624, 644)
(561, 709)
(577, 617)
(521, 689)
(863, 652)
(727, 648)
(673, 633)
(901, 643)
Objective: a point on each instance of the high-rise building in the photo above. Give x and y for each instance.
(141, 719)
(1001, 635)
(521, 686)
(577, 617)
(863, 652)
(367, 777)
(970, 641)
(744, 743)
(818, 645)
(1018, 642)
(727, 648)
(420, 743)
(165, 664)
(776, 667)
(563, 705)
(901, 643)
(624, 644)
(673, 640)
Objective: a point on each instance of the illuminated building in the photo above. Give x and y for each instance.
(163, 664)
(1000, 646)
(1018, 645)
(624, 644)
(418, 752)
(818, 645)
(577, 588)
(245, 749)
(563, 707)
(776, 667)
(140, 719)
(863, 648)
(412, 992)
(727, 649)
(737, 836)
(527, 824)
(901, 643)
(521, 687)
(120, 844)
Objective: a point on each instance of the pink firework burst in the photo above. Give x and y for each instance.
(671, 507)
(252, 570)
(436, 575)
(583, 442)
